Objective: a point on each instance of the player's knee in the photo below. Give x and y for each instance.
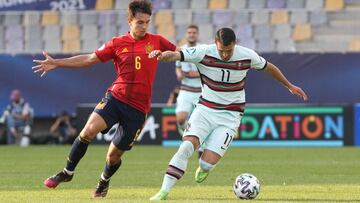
(192, 139)
(112, 158)
(89, 132)
(206, 166)
(181, 120)
(114, 155)
(186, 149)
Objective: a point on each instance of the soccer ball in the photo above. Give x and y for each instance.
(246, 186)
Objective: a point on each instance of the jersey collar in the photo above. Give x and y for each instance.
(132, 39)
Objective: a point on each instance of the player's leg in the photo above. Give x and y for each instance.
(194, 100)
(94, 125)
(177, 166)
(132, 122)
(183, 108)
(113, 163)
(181, 121)
(207, 163)
(215, 147)
(104, 115)
(185, 104)
(200, 151)
(197, 129)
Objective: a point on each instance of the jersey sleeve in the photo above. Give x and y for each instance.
(257, 62)
(106, 51)
(193, 54)
(166, 45)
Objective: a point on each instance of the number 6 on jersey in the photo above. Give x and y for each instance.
(137, 62)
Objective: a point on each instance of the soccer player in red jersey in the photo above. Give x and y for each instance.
(128, 98)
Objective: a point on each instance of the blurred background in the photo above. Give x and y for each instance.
(316, 43)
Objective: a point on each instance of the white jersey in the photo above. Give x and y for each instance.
(192, 84)
(223, 81)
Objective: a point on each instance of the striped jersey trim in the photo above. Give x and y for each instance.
(222, 86)
(233, 65)
(190, 88)
(231, 107)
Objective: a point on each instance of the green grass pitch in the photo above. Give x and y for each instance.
(286, 175)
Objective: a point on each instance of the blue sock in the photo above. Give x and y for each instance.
(78, 150)
(109, 170)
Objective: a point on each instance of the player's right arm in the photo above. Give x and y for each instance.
(191, 54)
(79, 61)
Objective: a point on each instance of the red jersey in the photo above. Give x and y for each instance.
(135, 70)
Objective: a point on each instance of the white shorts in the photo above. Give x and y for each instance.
(215, 128)
(186, 101)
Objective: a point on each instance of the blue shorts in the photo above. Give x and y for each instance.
(130, 120)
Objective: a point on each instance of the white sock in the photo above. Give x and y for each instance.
(68, 172)
(103, 177)
(205, 166)
(177, 165)
(168, 182)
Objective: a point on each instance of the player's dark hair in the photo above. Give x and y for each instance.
(193, 26)
(139, 6)
(225, 36)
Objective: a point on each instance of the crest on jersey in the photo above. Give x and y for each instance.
(191, 50)
(149, 48)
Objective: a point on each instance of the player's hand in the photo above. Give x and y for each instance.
(298, 92)
(179, 76)
(156, 54)
(44, 66)
(193, 74)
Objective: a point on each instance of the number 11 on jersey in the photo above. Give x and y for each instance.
(223, 75)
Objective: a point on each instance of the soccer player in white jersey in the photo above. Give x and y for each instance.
(190, 88)
(215, 120)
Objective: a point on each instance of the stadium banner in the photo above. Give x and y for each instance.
(55, 5)
(288, 126)
(357, 124)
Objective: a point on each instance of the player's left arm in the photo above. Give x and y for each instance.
(275, 72)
